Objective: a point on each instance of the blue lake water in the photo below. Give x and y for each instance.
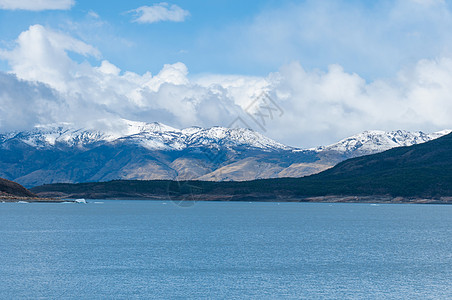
(228, 250)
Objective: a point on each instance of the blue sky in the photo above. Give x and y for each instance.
(335, 67)
(146, 47)
(224, 36)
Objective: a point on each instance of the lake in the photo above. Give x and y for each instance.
(228, 250)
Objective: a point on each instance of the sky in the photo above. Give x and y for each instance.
(305, 73)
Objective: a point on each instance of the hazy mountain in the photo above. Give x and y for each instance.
(60, 153)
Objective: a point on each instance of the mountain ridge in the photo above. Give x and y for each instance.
(61, 153)
(419, 173)
(372, 141)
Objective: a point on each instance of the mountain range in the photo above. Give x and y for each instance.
(149, 151)
(419, 173)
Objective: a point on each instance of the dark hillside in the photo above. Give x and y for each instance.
(10, 188)
(419, 171)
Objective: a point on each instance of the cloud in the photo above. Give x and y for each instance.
(105, 92)
(160, 12)
(36, 5)
(319, 106)
(372, 38)
(41, 55)
(93, 14)
(25, 104)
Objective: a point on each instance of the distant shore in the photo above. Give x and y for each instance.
(306, 189)
(377, 199)
(32, 199)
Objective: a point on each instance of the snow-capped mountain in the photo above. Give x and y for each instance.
(136, 150)
(48, 137)
(153, 136)
(374, 141)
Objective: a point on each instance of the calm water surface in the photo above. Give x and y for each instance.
(153, 249)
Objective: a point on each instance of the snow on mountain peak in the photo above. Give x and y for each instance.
(153, 136)
(133, 127)
(373, 141)
(158, 136)
(52, 134)
(230, 137)
(438, 134)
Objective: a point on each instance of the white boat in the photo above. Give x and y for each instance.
(80, 200)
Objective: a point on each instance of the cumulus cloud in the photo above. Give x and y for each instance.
(25, 104)
(324, 106)
(319, 107)
(36, 5)
(160, 12)
(41, 55)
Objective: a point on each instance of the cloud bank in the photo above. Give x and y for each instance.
(36, 5)
(160, 12)
(319, 107)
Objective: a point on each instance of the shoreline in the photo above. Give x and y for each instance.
(15, 199)
(377, 199)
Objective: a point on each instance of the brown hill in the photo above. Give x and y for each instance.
(12, 189)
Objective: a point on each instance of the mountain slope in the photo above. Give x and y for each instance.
(414, 172)
(146, 151)
(420, 170)
(12, 189)
(374, 141)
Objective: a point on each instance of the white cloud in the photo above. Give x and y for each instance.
(24, 104)
(372, 38)
(108, 68)
(160, 12)
(319, 107)
(93, 14)
(36, 5)
(41, 55)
